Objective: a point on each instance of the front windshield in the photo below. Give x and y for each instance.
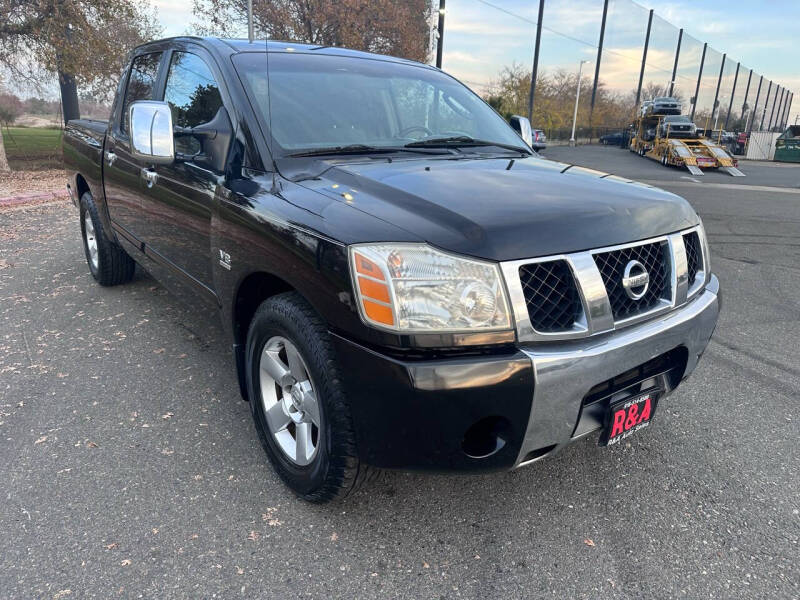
(324, 101)
(677, 119)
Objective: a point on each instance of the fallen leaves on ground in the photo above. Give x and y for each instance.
(27, 182)
(270, 517)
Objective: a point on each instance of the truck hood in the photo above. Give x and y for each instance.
(503, 209)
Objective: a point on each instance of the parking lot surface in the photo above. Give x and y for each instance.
(131, 468)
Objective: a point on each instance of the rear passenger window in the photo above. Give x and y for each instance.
(192, 94)
(141, 82)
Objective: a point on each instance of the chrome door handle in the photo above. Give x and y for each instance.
(110, 157)
(150, 177)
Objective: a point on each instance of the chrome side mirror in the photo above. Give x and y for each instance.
(523, 127)
(152, 137)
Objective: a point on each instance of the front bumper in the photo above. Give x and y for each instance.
(427, 414)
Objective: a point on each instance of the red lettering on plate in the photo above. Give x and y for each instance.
(645, 411)
(633, 415)
(619, 420)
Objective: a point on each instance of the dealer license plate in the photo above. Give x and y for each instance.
(628, 416)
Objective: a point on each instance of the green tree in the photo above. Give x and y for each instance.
(396, 27)
(11, 108)
(83, 42)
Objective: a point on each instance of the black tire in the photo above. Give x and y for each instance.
(112, 266)
(664, 159)
(335, 470)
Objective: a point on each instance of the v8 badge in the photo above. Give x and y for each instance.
(225, 259)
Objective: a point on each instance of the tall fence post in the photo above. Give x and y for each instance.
(755, 105)
(535, 69)
(440, 30)
(778, 111)
(764, 112)
(644, 57)
(783, 111)
(597, 64)
(772, 121)
(787, 111)
(675, 66)
(699, 77)
(733, 93)
(716, 94)
(744, 101)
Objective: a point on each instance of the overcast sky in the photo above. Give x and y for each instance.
(761, 34)
(480, 39)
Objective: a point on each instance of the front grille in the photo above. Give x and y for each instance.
(612, 268)
(694, 255)
(551, 295)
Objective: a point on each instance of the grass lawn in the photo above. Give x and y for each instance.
(31, 148)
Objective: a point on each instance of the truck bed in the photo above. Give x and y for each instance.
(83, 153)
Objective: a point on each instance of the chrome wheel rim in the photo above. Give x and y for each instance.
(289, 401)
(90, 238)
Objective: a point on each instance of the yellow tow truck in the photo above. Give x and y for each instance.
(680, 147)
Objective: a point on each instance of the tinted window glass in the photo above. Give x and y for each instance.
(193, 95)
(327, 101)
(140, 83)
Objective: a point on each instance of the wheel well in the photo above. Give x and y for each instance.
(81, 187)
(256, 288)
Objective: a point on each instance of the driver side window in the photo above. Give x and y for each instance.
(193, 95)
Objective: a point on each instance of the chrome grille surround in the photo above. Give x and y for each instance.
(701, 267)
(596, 315)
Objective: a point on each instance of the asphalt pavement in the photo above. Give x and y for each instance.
(131, 468)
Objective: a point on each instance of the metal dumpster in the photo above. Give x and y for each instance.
(787, 146)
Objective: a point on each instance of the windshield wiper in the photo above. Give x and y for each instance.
(357, 149)
(462, 141)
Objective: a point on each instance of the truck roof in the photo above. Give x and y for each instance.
(237, 45)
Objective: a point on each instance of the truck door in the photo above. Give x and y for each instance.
(121, 172)
(179, 200)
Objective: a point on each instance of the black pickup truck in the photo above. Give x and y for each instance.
(406, 284)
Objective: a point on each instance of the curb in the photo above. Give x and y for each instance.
(34, 198)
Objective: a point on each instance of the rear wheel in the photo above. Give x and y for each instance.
(108, 263)
(298, 401)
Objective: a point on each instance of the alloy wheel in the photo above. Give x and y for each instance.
(91, 239)
(289, 401)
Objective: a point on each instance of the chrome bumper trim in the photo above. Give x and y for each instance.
(565, 371)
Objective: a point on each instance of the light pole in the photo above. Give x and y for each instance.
(577, 97)
(250, 20)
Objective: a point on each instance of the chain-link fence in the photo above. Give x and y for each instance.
(615, 53)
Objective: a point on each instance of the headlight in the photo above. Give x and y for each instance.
(415, 288)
